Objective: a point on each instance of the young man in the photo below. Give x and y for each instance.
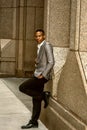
(34, 86)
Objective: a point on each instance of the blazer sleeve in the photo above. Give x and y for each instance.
(50, 59)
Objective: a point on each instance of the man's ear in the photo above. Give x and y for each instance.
(44, 36)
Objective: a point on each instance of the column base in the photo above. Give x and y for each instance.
(58, 118)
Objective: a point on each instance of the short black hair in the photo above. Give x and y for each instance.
(40, 30)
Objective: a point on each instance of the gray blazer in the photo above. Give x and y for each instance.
(44, 61)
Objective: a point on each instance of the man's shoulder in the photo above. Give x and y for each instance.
(48, 44)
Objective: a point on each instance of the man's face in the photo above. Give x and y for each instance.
(39, 37)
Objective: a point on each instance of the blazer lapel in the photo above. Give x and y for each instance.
(41, 52)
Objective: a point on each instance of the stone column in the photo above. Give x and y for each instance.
(66, 30)
(57, 27)
(72, 86)
(20, 34)
(8, 37)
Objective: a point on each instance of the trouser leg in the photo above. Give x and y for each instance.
(34, 87)
(28, 87)
(36, 109)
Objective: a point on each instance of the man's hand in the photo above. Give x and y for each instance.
(36, 60)
(40, 76)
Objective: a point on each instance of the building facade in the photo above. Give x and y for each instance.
(65, 24)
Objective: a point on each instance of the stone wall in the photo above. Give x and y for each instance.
(18, 21)
(73, 77)
(65, 25)
(31, 14)
(57, 26)
(8, 36)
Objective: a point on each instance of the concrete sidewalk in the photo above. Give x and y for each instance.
(13, 113)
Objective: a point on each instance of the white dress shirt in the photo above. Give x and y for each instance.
(39, 46)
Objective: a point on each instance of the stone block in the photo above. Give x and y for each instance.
(21, 24)
(57, 117)
(74, 15)
(7, 60)
(71, 91)
(7, 23)
(39, 18)
(59, 20)
(83, 58)
(8, 48)
(60, 55)
(83, 41)
(9, 3)
(55, 122)
(30, 23)
(8, 67)
(30, 55)
(83, 26)
(38, 3)
(22, 2)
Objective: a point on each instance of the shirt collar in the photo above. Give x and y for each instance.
(39, 45)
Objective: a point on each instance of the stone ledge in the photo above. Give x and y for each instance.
(57, 122)
(70, 117)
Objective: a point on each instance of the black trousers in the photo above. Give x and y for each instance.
(34, 88)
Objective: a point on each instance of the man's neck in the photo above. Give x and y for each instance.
(41, 43)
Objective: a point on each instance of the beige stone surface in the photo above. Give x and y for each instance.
(83, 26)
(22, 3)
(78, 27)
(8, 67)
(61, 118)
(8, 48)
(8, 54)
(71, 92)
(29, 59)
(61, 125)
(7, 16)
(20, 27)
(20, 55)
(37, 3)
(30, 22)
(8, 3)
(83, 43)
(75, 25)
(83, 56)
(59, 22)
(39, 18)
(60, 55)
(34, 20)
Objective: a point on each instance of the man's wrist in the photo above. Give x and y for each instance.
(40, 76)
